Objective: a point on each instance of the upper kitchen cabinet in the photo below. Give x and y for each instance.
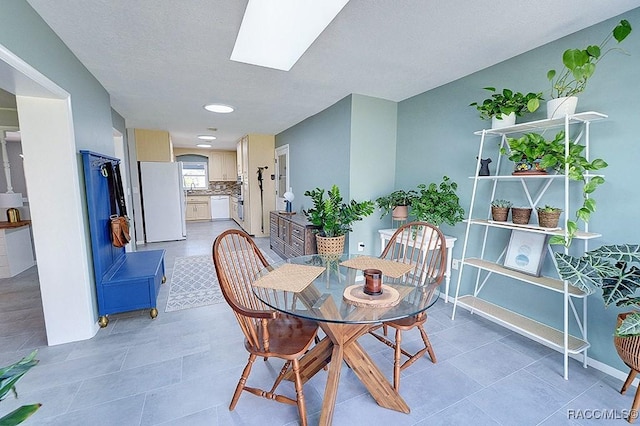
(222, 166)
(153, 145)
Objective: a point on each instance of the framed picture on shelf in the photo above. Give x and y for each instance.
(525, 252)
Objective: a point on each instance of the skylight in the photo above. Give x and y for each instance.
(275, 33)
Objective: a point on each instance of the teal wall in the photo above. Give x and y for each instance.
(319, 152)
(435, 137)
(25, 34)
(372, 166)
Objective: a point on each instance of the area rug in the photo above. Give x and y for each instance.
(194, 283)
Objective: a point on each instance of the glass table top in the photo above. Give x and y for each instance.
(323, 299)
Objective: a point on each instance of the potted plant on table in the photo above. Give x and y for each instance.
(438, 203)
(503, 107)
(397, 203)
(334, 217)
(579, 66)
(613, 269)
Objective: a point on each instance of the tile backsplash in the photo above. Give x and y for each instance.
(224, 188)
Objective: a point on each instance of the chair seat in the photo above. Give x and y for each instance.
(407, 323)
(289, 337)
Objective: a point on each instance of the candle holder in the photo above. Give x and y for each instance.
(373, 282)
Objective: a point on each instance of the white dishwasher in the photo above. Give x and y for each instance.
(220, 207)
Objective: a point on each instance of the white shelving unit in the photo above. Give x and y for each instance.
(559, 339)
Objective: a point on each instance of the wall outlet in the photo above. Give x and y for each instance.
(455, 264)
(361, 246)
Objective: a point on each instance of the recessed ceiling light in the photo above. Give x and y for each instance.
(204, 145)
(206, 137)
(219, 108)
(275, 33)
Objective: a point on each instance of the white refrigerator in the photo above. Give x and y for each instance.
(163, 201)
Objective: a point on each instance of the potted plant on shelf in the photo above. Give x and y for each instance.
(550, 154)
(397, 203)
(500, 210)
(548, 216)
(438, 204)
(579, 66)
(334, 217)
(503, 107)
(613, 269)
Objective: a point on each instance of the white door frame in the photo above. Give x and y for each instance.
(60, 229)
(282, 151)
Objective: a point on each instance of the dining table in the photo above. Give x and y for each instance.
(329, 289)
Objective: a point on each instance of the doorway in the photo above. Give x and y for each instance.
(282, 175)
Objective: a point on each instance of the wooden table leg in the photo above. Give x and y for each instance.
(331, 390)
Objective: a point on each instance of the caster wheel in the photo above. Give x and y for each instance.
(153, 313)
(103, 321)
(164, 279)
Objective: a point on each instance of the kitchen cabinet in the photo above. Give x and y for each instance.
(153, 145)
(222, 166)
(16, 251)
(233, 207)
(291, 235)
(198, 208)
(257, 151)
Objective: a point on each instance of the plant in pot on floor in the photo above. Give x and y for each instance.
(397, 203)
(613, 269)
(578, 67)
(438, 203)
(334, 217)
(503, 107)
(9, 376)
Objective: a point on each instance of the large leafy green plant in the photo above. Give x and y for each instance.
(332, 215)
(580, 64)
(551, 153)
(438, 203)
(614, 270)
(506, 102)
(8, 377)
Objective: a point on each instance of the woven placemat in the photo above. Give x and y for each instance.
(290, 277)
(355, 295)
(388, 267)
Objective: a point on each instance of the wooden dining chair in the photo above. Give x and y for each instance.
(267, 332)
(422, 245)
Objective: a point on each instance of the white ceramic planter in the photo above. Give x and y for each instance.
(506, 121)
(559, 107)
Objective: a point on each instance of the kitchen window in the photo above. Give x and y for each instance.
(194, 175)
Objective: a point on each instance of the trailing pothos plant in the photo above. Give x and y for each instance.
(438, 203)
(551, 154)
(612, 269)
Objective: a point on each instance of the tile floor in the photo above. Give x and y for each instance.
(182, 367)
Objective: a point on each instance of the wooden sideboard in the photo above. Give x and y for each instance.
(291, 235)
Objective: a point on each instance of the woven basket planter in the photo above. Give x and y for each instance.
(549, 219)
(499, 214)
(628, 349)
(330, 245)
(521, 215)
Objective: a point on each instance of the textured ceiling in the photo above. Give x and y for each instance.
(162, 60)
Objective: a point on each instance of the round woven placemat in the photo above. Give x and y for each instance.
(355, 295)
